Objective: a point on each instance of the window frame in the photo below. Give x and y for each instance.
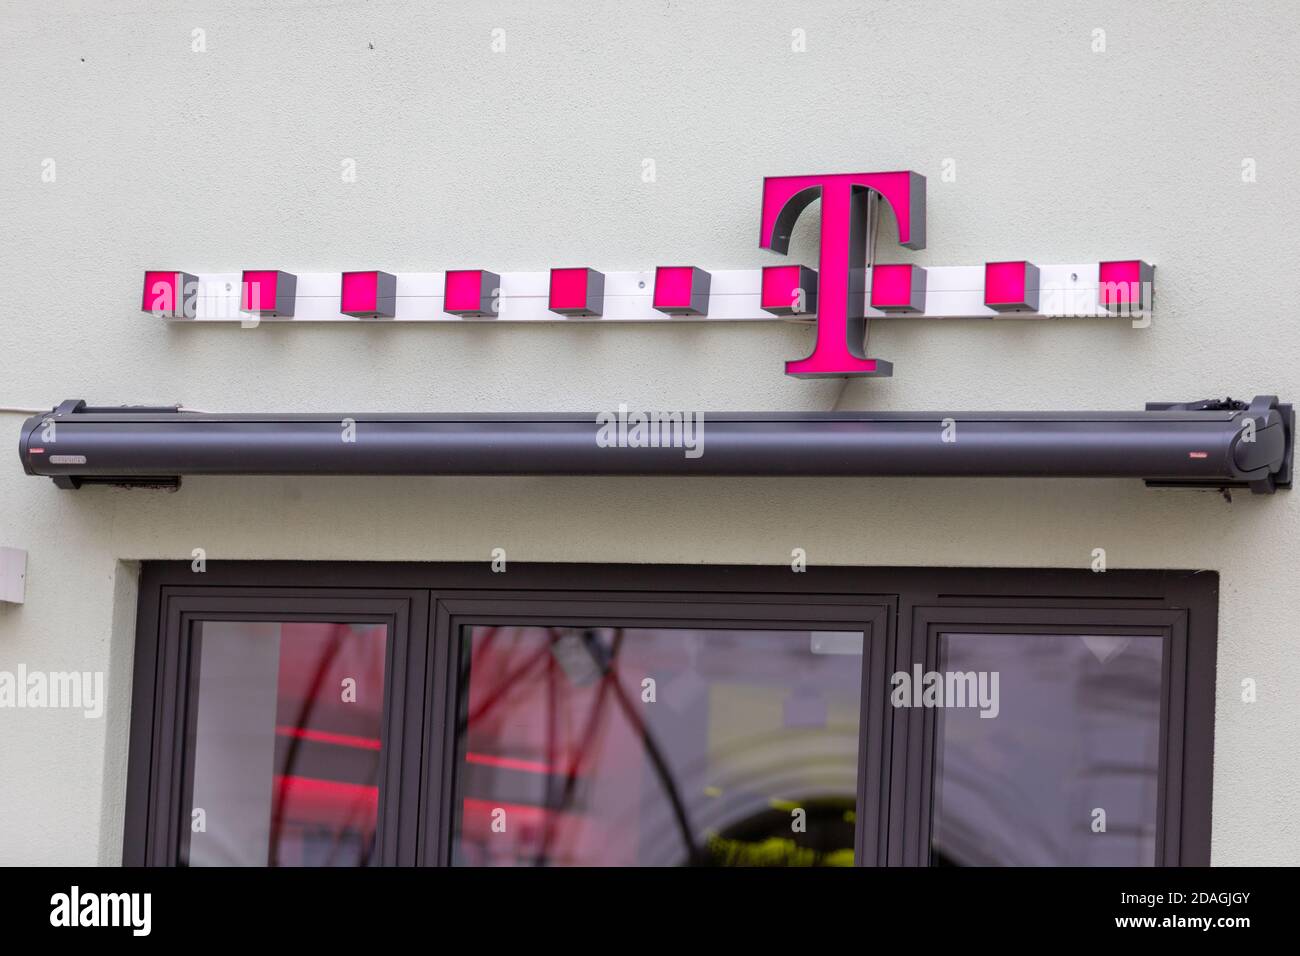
(930, 623)
(668, 610)
(157, 758)
(897, 609)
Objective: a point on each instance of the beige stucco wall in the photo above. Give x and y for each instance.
(532, 157)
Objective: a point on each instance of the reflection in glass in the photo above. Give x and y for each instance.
(632, 746)
(283, 744)
(1077, 730)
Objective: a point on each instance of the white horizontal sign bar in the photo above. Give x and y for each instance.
(951, 292)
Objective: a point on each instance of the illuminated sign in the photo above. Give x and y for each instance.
(847, 288)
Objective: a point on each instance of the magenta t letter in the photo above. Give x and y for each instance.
(841, 271)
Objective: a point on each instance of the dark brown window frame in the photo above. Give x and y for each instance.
(897, 608)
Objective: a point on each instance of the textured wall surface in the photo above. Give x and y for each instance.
(532, 156)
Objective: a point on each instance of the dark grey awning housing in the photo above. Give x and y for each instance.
(1217, 444)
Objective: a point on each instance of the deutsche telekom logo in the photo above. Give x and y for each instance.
(842, 259)
(846, 290)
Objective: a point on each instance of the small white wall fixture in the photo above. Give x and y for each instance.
(13, 575)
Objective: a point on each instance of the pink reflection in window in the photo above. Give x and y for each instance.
(562, 759)
(284, 744)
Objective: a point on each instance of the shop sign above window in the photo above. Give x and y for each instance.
(845, 290)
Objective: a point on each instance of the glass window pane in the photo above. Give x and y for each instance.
(743, 750)
(1075, 729)
(283, 744)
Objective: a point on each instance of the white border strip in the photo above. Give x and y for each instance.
(951, 292)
